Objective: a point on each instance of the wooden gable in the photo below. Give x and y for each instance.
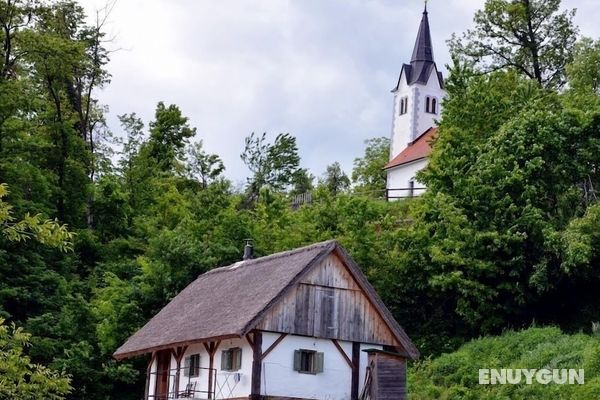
(329, 303)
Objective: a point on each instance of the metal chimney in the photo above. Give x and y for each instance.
(248, 250)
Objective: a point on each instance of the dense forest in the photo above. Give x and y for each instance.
(99, 229)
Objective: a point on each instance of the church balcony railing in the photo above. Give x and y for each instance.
(403, 193)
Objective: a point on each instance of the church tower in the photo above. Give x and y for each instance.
(417, 105)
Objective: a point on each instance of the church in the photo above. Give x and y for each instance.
(417, 106)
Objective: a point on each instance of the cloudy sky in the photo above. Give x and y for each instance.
(321, 70)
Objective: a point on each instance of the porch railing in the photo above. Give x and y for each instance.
(188, 387)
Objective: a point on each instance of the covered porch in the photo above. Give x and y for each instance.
(191, 372)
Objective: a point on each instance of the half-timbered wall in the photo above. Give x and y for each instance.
(279, 379)
(328, 303)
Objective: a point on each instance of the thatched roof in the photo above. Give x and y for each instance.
(228, 302)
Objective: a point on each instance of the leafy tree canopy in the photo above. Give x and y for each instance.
(532, 37)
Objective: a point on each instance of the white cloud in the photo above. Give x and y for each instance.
(319, 69)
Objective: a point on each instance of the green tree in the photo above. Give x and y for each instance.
(583, 72)
(203, 166)
(22, 379)
(271, 164)
(46, 231)
(532, 37)
(302, 182)
(368, 174)
(335, 179)
(169, 134)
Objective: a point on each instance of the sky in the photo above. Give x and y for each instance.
(321, 70)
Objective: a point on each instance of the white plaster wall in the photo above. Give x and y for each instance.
(201, 380)
(280, 379)
(226, 385)
(152, 383)
(399, 177)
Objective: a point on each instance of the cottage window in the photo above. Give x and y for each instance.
(191, 365)
(427, 104)
(231, 359)
(433, 106)
(308, 361)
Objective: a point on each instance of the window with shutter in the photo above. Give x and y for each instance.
(194, 365)
(186, 366)
(231, 359)
(225, 360)
(308, 361)
(236, 359)
(297, 359)
(319, 361)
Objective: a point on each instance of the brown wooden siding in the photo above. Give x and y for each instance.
(328, 303)
(389, 377)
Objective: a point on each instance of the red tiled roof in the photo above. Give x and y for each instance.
(418, 149)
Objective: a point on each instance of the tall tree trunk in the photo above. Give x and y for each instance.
(533, 43)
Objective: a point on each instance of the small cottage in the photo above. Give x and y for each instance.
(301, 324)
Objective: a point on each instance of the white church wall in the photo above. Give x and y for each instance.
(400, 177)
(424, 120)
(401, 124)
(407, 127)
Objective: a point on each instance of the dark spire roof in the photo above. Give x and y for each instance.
(422, 62)
(423, 50)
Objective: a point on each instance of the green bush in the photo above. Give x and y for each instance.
(455, 376)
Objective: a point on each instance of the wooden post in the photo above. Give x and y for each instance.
(211, 349)
(256, 344)
(355, 370)
(179, 352)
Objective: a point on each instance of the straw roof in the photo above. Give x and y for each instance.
(229, 301)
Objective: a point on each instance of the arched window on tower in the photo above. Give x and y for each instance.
(434, 106)
(427, 104)
(403, 106)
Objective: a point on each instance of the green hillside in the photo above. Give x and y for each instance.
(455, 376)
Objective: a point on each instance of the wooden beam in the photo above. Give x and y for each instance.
(343, 353)
(355, 370)
(249, 339)
(256, 365)
(271, 347)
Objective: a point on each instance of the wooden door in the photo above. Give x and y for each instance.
(162, 374)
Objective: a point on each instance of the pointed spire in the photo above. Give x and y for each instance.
(423, 50)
